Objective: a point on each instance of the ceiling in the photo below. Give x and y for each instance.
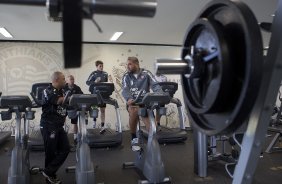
(169, 25)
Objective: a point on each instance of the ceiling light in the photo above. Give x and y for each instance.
(5, 33)
(116, 36)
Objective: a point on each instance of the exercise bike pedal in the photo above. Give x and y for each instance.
(128, 165)
(70, 169)
(166, 180)
(35, 170)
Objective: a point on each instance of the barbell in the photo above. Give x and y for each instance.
(220, 65)
(72, 12)
(221, 61)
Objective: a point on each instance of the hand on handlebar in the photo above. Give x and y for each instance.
(98, 79)
(66, 97)
(130, 102)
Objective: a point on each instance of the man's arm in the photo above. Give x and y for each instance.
(78, 89)
(52, 98)
(92, 77)
(126, 88)
(60, 100)
(106, 77)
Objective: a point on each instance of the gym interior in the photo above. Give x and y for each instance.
(220, 105)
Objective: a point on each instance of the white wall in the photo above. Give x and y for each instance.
(23, 64)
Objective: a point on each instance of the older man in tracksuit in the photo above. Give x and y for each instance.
(53, 118)
(134, 81)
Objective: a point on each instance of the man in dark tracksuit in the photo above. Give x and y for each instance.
(51, 125)
(134, 81)
(74, 89)
(99, 76)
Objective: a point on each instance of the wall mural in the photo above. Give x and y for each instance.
(23, 64)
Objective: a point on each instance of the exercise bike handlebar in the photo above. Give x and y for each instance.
(37, 102)
(68, 94)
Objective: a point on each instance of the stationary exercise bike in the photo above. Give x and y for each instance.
(148, 160)
(35, 141)
(19, 172)
(4, 135)
(84, 170)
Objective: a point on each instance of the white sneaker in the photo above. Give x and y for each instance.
(50, 179)
(103, 130)
(135, 146)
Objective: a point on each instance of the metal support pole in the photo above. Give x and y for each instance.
(83, 124)
(257, 126)
(200, 153)
(18, 126)
(118, 126)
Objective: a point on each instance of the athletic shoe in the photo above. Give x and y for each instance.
(135, 146)
(51, 179)
(103, 130)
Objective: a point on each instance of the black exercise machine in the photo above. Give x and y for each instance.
(275, 127)
(19, 171)
(4, 135)
(84, 169)
(236, 145)
(148, 160)
(166, 134)
(109, 137)
(35, 141)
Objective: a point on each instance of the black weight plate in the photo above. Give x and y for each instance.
(209, 83)
(245, 57)
(72, 32)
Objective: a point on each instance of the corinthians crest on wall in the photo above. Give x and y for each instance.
(23, 64)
